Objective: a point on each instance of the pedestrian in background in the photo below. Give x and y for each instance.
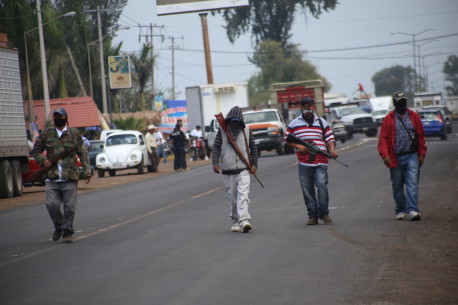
(403, 149)
(179, 149)
(61, 178)
(150, 142)
(235, 174)
(161, 147)
(309, 127)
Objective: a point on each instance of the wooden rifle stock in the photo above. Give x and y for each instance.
(311, 147)
(222, 124)
(39, 173)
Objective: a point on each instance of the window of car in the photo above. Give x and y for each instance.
(96, 147)
(430, 116)
(258, 117)
(142, 142)
(350, 111)
(121, 139)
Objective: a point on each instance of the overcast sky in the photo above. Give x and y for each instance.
(352, 25)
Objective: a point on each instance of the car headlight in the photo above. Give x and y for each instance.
(133, 157)
(102, 160)
(273, 130)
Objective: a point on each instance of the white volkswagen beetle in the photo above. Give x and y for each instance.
(124, 150)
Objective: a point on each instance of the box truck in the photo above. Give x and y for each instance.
(204, 101)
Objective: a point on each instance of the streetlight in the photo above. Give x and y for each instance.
(414, 55)
(43, 64)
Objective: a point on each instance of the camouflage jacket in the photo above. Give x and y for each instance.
(49, 140)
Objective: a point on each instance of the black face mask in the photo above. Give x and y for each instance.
(58, 122)
(401, 106)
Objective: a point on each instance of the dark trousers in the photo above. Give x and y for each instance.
(180, 158)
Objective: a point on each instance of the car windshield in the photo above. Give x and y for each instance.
(351, 110)
(121, 139)
(430, 116)
(379, 112)
(258, 117)
(97, 147)
(444, 110)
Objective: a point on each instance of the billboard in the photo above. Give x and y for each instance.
(119, 72)
(171, 112)
(167, 7)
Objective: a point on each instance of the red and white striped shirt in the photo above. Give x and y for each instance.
(301, 129)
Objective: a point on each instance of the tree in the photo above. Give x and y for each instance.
(451, 75)
(396, 78)
(143, 64)
(130, 123)
(270, 19)
(278, 66)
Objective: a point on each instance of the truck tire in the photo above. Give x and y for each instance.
(371, 132)
(17, 178)
(141, 168)
(280, 149)
(6, 180)
(100, 173)
(112, 172)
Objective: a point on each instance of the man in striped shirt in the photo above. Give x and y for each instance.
(313, 171)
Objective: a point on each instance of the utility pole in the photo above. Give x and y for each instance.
(149, 37)
(173, 63)
(208, 60)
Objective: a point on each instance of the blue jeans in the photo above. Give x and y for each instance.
(408, 173)
(309, 177)
(161, 153)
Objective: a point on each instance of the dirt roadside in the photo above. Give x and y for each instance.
(36, 194)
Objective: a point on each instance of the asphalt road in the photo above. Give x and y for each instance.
(166, 240)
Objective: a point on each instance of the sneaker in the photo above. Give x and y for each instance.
(186, 169)
(236, 227)
(312, 221)
(57, 235)
(413, 216)
(326, 219)
(68, 236)
(246, 226)
(401, 216)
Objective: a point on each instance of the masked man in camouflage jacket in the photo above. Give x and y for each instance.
(61, 178)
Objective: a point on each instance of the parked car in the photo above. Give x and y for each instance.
(379, 115)
(123, 150)
(356, 120)
(95, 149)
(434, 123)
(446, 113)
(33, 165)
(337, 126)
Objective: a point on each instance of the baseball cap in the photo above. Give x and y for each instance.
(399, 95)
(60, 110)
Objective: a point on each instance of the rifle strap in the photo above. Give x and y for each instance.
(324, 136)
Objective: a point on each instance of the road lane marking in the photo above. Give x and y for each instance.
(109, 228)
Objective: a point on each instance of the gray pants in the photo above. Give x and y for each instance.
(57, 194)
(237, 188)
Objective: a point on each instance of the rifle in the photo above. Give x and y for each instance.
(310, 145)
(223, 125)
(37, 175)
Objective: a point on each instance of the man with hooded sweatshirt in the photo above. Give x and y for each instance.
(235, 174)
(402, 148)
(309, 127)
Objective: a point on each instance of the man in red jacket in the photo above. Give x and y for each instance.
(402, 148)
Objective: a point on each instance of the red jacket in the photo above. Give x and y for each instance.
(386, 141)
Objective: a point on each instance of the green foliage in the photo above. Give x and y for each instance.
(451, 75)
(142, 67)
(130, 123)
(390, 80)
(271, 19)
(277, 65)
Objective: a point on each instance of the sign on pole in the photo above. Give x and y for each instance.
(167, 7)
(119, 72)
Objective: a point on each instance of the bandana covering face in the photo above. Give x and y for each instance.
(307, 115)
(401, 106)
(234, 128)
(59, 122)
